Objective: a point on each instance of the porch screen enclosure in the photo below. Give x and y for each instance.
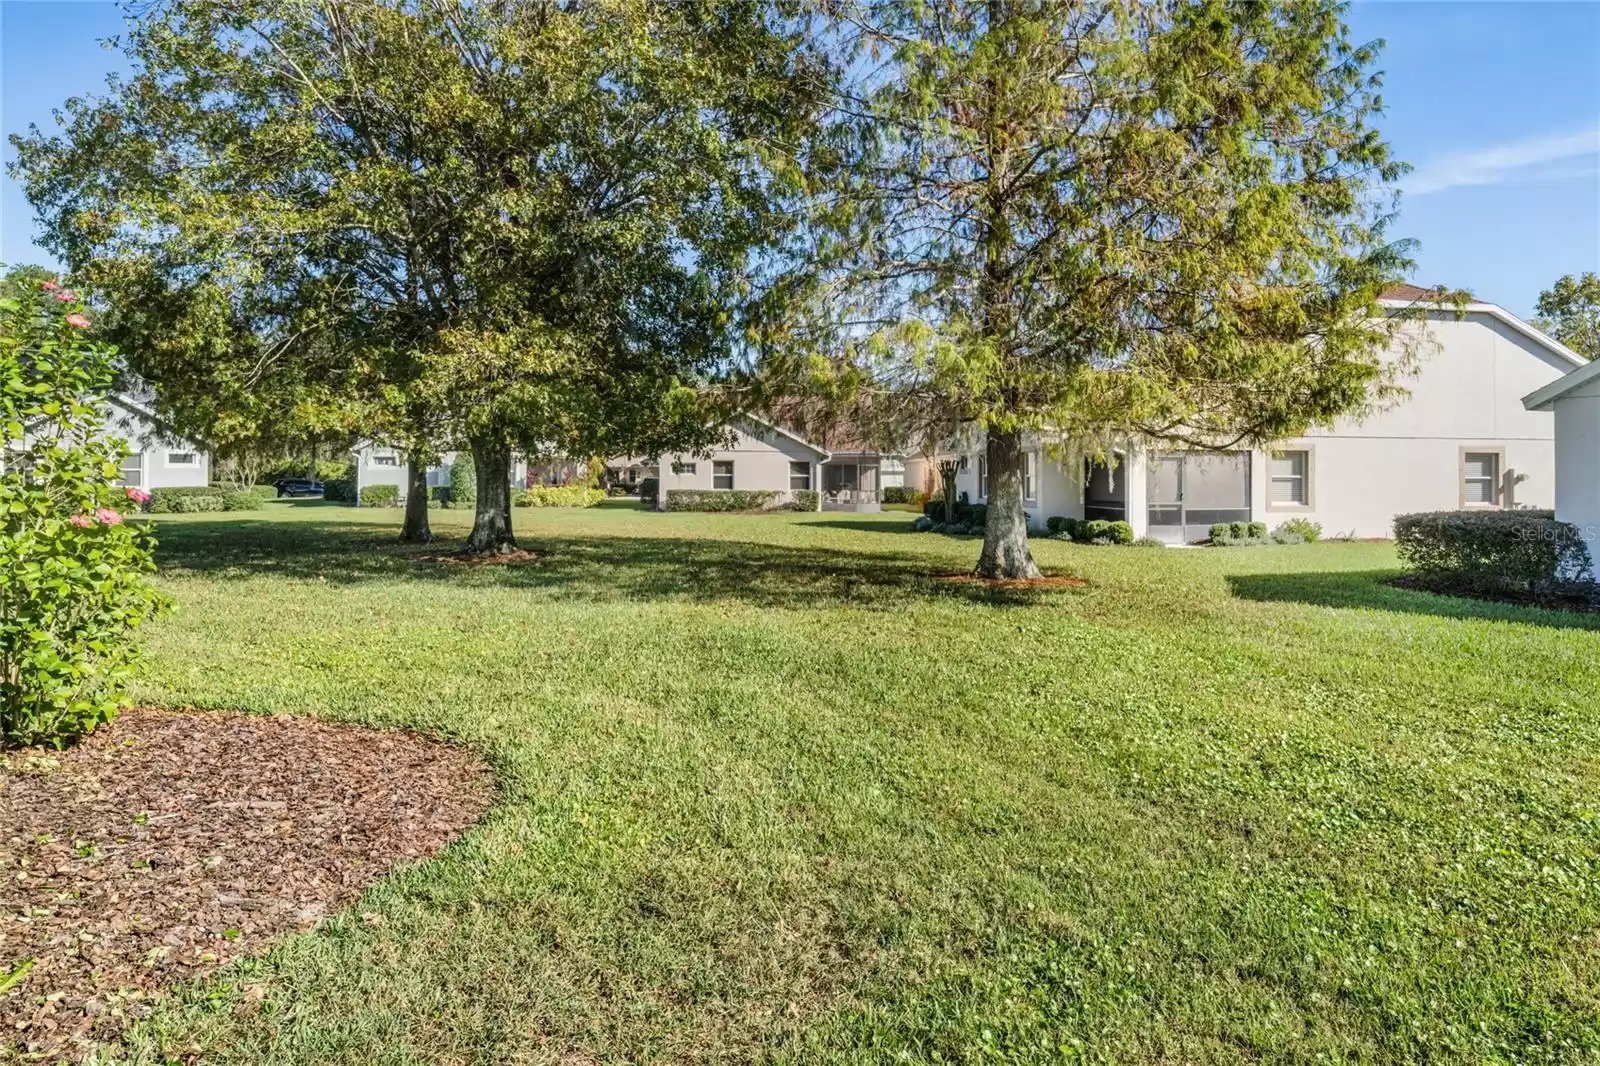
(1189, 492)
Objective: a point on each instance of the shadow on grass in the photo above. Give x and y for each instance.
(590, 568)
(1367, 589)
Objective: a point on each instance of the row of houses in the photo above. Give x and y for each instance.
(1499, 415)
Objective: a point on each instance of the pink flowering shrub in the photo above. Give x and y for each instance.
(75, 575)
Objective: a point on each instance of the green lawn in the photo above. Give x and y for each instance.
(771, 793)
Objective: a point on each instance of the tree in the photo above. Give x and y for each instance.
(1570, 312)
(1095, 221)
(415, 188)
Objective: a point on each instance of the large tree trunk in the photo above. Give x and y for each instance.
(1005, 532)
(415, 530)
(491, 523)
(947, 472)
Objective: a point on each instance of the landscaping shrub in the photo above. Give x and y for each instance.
(243, 501)
(191, 505)
(1490, 552)
(649, 488)
(265, 492)
(720, 500)
(1257, 530)
(559, 496)
(1120, 532)
(440, 495)
(1221, 531)
(380, 496)
(1287, 536)
(1149, 542)
(1308, 530)
(923, 524)
(1095, 529)
(341, 489)
(74, 581)
(1056, 524)
(1238, 534)
(463, 481)
(168, 500)
(803, 499)
(899, 494)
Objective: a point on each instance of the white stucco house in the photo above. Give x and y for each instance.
(763, 456)
(1462, 439)
(1574, 402)
(379, 463)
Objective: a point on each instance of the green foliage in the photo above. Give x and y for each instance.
(74, 580)
(648, 488)
(1221, 531)
(165, 500)
(1287, 536)
(899, 494)
(1308, 531)
(244, 501)
(266, 492)
(380, 496)
(1056, 524)
(803, 499)
(463, 480)
(1120, 532)
(1149, 542)
(341, 489)
(1488, 552)
(559, 496)
(923, 524)
(1570, 312)
(721, 500)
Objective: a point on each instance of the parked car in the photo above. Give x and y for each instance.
(298, 486)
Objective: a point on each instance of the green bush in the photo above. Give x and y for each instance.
(73, 582)
(649, 488)
(380, 496)
(1221, 531)
(1149, 542)
(1120, 532)
(1491, 552)
(341, 489)
(803, 499)
(1287, 536)
(1055, 524)
(167, 500)
(1307, 530)
(720, 500)
(440, 495)
(923, 524)
(265, 492)
(1256, 530)
(1096, 529)
(899, 494)
(559, 496)
(463, 480)
(194, 505)
(242, 501)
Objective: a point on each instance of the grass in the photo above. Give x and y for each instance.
(771, 793)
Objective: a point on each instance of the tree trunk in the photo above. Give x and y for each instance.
(1005, 531)
(491, 522)
(947, 472)
(415, 529)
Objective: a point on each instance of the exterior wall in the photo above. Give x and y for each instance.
(1057, 490)
(760, 457)
(1577, 417)
(153, 452)
(1465, 396)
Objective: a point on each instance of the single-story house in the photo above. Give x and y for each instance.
(1574, 401)
(835, 461)
(378, 463)
(1462, 439)
(158, 458)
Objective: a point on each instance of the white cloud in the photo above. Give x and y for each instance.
(1530, 158)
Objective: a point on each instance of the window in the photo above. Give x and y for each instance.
(1480, 479)
(683, 468)
(385, 460)
(182, 459)
(1290, 476)
(133, 471)
(983, 478)
(722, 474)
(1027, 478)
(799, 477)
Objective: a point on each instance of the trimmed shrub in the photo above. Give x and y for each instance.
(1240, 542)
(439, 494)
(1056, 524)
(720, 500)
(1121, 532)
(73, 582)
(341, 489)
(1097, 529)
(266, 492)
(649, 489)
(380, 496)
(1221, 531)
(899, 494)
(1256, 530)
(463, 480)
(803, 499)
(167, 500)
(194, 505)
(1149, 542)
(1489, 552)
(923, 524)
(559, 496)
(243, 501)
(1308, 530)
(1287, 536)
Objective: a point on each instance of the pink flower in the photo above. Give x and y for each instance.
(66, 297)
(49, 286)
(77, 322)
(107, 516)
(138, 495)
(82, 521)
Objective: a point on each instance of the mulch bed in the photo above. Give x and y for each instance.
(169, 844)
(518, 555)
(1060, 581)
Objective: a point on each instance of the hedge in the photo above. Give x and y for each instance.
(899, 494)
(1090, 530)
(1251, 532)
(191, 499)
(463, 480)
(559, 496)
(380, 496)
(804, 499)
(1492, 551)
(341, 489)
(720, 500)
(648, 489)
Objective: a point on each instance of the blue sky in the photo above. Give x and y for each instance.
(1496, 105)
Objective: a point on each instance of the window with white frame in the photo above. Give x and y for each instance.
(683, 468)
(722, 474)
(133, 471)
(799, 477)
(183, 459)
(1291, 479)
(1029, 483)
(1480, 479)
(385, 460)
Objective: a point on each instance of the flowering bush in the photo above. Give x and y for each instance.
(75, 573)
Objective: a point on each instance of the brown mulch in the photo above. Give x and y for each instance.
(170, 843)
(517, 555)
(1059, 581)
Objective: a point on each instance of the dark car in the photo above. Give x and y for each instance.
(298, 486)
